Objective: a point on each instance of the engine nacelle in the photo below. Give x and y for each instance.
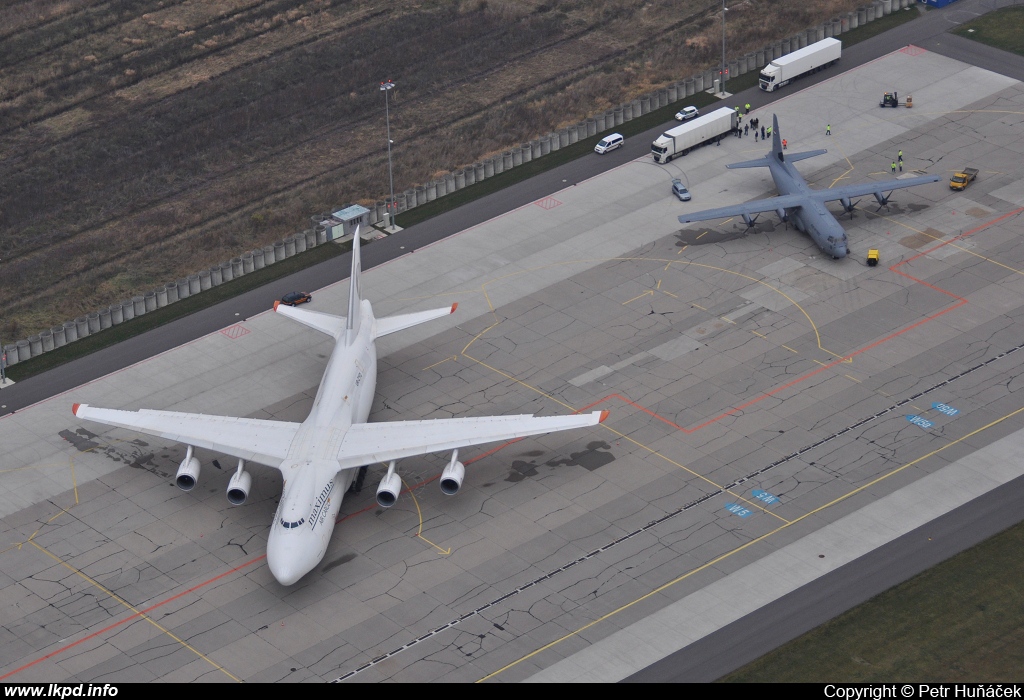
(238, 487)
(389, 488)
(452, 476)
(188, 472)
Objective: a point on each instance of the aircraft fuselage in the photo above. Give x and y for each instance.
(313, 486)
(813, 218)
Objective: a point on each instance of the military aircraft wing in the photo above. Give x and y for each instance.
(859, 190)
(787, 201)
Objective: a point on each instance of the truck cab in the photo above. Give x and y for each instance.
(962, 177)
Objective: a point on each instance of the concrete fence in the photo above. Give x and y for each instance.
(247, 263)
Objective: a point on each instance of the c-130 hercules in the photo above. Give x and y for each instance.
(798, 203)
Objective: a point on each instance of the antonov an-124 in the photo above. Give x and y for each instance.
(320, 457)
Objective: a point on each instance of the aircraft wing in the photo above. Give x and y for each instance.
(369, 443)
(757, 206)
(262, 441)
(864, 188)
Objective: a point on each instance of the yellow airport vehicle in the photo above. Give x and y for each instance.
(873, 257)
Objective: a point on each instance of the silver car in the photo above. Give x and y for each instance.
(686, 114)
(679, 190)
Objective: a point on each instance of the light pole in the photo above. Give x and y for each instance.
(385, 87)
(721, 84)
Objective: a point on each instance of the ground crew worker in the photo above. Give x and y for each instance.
(784, 144)
(769, 131)
(894, 166)
(755, 135)
(901, 165)
(748, 108)
(746, 129)
(762, 132)
(901, 155)
(828, 130)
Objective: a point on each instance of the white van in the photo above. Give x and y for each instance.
(609, 143)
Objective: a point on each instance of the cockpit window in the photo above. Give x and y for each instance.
(292, 525)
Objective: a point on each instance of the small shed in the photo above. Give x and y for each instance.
(350, 217)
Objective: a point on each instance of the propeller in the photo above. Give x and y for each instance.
(783, 216)
(748, 221)
(883, 201)
(848, 206)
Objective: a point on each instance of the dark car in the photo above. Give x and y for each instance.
(295, 298)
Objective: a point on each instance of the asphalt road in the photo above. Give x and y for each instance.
(784, 619)
(787, 618)
(754, 635)
(29, 391)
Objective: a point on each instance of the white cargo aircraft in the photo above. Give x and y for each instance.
(319, 457)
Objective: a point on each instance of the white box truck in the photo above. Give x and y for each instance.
(809, 59)
(696, 132)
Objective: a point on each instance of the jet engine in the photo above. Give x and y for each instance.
(389, 488)
(452, 476)
(188, 472)
(239, 485)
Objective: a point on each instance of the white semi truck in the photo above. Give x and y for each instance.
(809, 59)
(696, 132)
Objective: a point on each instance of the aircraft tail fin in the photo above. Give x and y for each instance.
(354, 295)
(776, 139)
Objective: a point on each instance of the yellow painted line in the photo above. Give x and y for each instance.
(701, 236)
(658, 286)
(670, 294)
(789, 348)
(137, 612)
(727, 320)
(699, 307)
(759, 335)
(649, 291)
(951, 244)
(757, 540)
(453, 357)
(819, 362)
(419, 514)
(678, 252)
(852, 378)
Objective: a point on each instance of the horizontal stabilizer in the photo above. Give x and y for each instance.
(804, 155)
(333, 326)
(761, 162)
(398, 322)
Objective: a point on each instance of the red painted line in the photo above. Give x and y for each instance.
(131, 617)
(960, 301)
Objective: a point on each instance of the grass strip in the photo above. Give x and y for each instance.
(137, 326)
(960, 621)
(631, 128)
(172, 312)
(1003, 29)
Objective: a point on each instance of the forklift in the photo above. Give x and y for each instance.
(891, 99)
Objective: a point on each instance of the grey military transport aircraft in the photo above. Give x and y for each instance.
(798, 203)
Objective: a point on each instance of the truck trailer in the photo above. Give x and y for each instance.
(809, 59)
(697, 132)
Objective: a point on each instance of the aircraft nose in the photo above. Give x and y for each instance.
(285, 563)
